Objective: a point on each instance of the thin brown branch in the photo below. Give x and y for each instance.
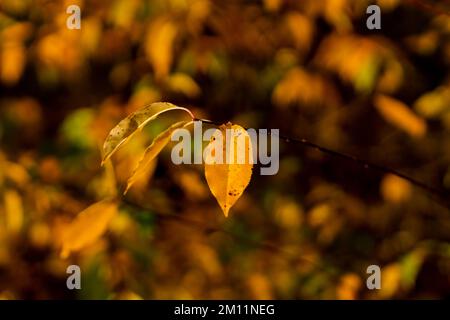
(209, 229)
(425, 5)
(439, 196)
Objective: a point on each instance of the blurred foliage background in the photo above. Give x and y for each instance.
(310, 68)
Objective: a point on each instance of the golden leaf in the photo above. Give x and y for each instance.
(435, 103)
(13, 211)
(228, 178)
(152, 151)
(303, 88)
(88, 226)
(15, 173)
(302, 30)
(356, 60)
(259, 287)
(350, 284)
(398, 114)
(391, 275)
(159, 46)
(336, 13)
(192, 185)
(12, 62)
(121, 133)
(272, 5)
(183, 83)
(391, 78)
(395, 189)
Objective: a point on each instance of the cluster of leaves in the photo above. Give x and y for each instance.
(309, 68)
(227, 181)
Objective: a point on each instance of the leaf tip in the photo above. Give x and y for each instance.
(104, 160)
(225, 210)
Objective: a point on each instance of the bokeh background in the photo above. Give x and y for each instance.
(310, 68)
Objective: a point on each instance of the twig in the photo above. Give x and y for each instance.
(440, 196)
(433, 8)
(208, 229)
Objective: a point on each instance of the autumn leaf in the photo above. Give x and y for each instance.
(12, 60)
(356, 60)
(183, 83)
(302, 30)
(88, 226)
(227, 180)
(395, 189)
(350, 284)
(121, 133)
(303, 88)
(391, 275)
(152, 151)
(13, 207)
(159, 45)
(398, 114)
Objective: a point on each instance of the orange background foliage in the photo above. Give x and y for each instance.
(310, 68)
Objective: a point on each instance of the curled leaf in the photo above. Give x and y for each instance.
(152, 151)
(88, 226)
(227, 179)
(121, 133)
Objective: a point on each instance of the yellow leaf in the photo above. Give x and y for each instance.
(391, 276)
(121, 133)
(348, 287)
(336, 13)
(398, 114)
(355, 59)
(159, 45)
(425, 43)
(12, 62)
(16, 173)
(302, 88)
(272, 5)
(395, 189)
(302, 30)
(13, 210)
(152, 151)
(88, 226)
(435, 103)
(259, 287)
(192, 185)
(391, 78)
(288, 214)
(227, 180)
(183, 83)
